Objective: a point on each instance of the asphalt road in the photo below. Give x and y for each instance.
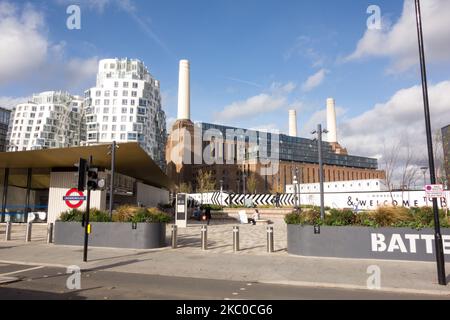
(38, 282)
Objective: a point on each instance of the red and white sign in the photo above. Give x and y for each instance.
(434, 191)
(74, 201)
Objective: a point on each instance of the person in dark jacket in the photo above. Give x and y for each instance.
(208, 214)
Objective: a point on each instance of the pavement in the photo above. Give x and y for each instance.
(39, 282)
(219, 263)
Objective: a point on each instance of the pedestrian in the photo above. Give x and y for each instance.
(255, 217)
(208, 214)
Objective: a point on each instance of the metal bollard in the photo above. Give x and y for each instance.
(28, 232)
(235, 238)
(50, 233)
(174, 236)
(204, 232)
(8, 231)
(270, 239)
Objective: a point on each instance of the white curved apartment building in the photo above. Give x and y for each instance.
(125, 106)
(52, 119)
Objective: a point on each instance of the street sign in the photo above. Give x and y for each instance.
(181, 210)
(69, 198)
(434, 191)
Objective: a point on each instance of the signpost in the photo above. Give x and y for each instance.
(181, 210)
(434, 191)
(79, 198)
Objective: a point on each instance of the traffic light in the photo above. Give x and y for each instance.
(92, 182)
(82, 166)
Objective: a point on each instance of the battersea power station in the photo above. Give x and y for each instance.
(234, 155)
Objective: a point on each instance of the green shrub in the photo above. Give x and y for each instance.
(75, 215)
(124, 213)
(340, 217)
(391, 216)
(292, 218)
(96, 215)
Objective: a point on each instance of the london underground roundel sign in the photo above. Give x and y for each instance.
(74, 198)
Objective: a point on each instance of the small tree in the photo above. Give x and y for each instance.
(205, 182)
(185, 188)
(251, 183)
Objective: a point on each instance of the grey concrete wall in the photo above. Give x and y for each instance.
(114, 235)
(365, 243)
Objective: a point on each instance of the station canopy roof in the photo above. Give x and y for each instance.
(131, 160)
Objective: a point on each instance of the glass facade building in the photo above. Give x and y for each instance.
(5, 115)
(293, 149)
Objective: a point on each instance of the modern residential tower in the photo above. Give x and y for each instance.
(52, 119)
(5, 115)
(125, 106)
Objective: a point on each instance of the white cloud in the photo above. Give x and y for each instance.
(318, 117)
(24, 46)
(315, 80)
(303, 47)
(11, 102)
(399, 119)
(279, 88)
(399, 41)
(251, 107)
(26, 52)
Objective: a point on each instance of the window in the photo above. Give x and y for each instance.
(125, 84)
(125, 93)
(132, 102)
(106, 102)
(124, 110)
(114, 119)
(103, 136)
(115, 93)
(122, 136)
(134, 94)
(135, 85)
(113, 136)
(97, 102)
(123, 118)
(98, 93)
(105, 118)
(105, 127)
(107, 93)
(116, 84)
(114, 127)
(124, 102)
(123, 128)
(105, 110)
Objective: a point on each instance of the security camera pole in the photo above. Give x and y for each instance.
(321, 177)
(440, 260)
(113, 169)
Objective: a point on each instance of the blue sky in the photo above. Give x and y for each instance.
(250, 59)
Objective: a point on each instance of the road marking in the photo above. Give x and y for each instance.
(21, 271)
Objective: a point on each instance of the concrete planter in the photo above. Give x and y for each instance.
(365, 243)
(112, 234)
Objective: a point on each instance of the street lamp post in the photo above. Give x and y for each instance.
(424, 171)
(112, 152)
(221, 192)
(440, 260)
(243, 179)
(319, 132)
